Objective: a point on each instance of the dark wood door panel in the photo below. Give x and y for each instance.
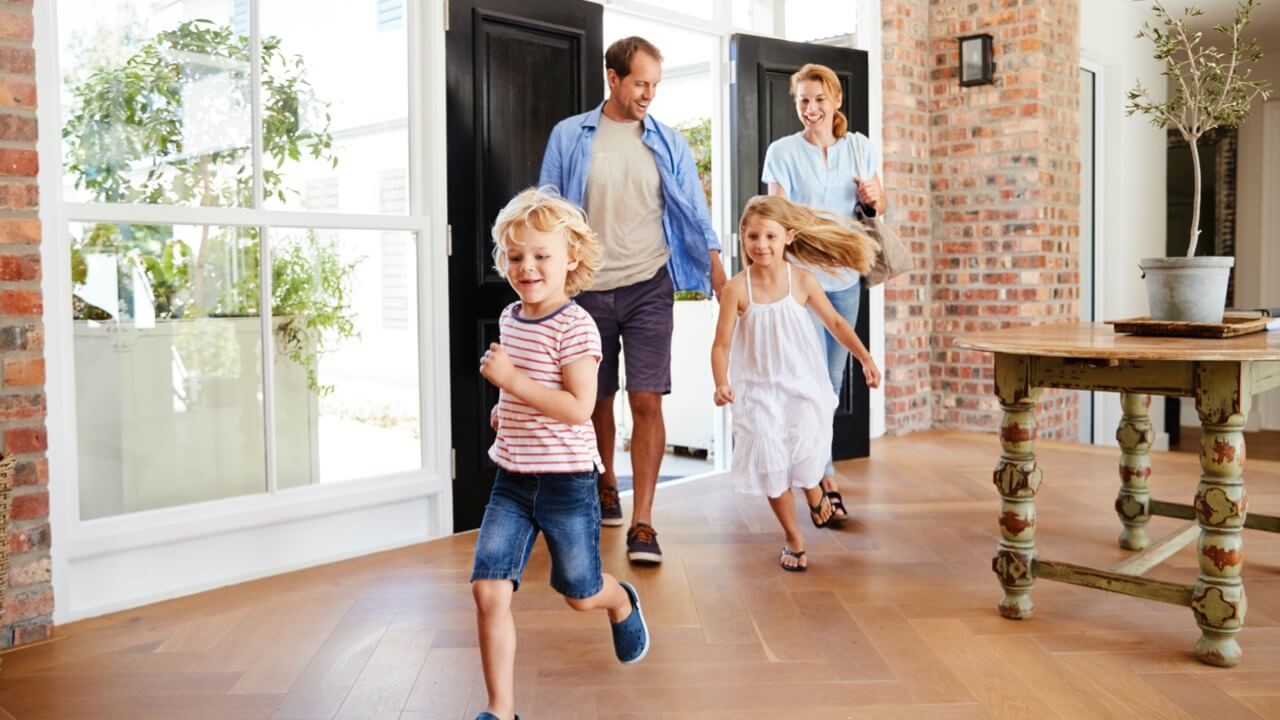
(515, 69)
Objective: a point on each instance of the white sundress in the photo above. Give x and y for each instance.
(783, 398)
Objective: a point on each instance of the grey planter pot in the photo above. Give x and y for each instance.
(1187, 289)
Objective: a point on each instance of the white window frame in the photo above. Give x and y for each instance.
(112, 563)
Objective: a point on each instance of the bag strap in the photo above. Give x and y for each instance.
(856, 149)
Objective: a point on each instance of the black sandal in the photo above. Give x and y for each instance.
(815, 512)
(788, 552)
(838, 511)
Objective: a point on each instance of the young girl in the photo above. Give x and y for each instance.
(545, 367)
(783, 398)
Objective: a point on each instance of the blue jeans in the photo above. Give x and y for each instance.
(563, 506)
(846, 304)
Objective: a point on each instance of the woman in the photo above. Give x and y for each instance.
(827, 167)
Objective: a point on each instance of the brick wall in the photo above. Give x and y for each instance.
(998, 224)
(29, 599)
(908, 319)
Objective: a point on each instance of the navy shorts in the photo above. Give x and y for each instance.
(638, 318)
(563, 506)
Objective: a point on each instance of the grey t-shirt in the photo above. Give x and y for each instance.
(624, 205)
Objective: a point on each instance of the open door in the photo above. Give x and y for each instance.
(515, 69)
(763, 111)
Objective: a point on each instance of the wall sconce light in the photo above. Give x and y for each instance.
(976, 66)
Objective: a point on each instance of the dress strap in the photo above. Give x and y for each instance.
(748, 274)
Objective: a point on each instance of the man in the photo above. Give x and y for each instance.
(637, 181)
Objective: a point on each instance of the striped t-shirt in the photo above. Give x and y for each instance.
(528, 441)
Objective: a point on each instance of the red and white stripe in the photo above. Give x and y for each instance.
(528, 441)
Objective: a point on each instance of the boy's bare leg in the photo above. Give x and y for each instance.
(497, 643)
(611, 597)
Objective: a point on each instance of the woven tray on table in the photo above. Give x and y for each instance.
(6, 486)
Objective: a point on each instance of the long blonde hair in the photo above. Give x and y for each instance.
(821, 240)
(831, 85)
(544, 210)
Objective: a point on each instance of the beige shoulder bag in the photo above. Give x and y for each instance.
(893, 259)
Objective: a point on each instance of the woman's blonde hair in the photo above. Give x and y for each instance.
(821, 240)
(544, 210)
(831, 85)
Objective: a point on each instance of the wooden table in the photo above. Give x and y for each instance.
(1222, 376)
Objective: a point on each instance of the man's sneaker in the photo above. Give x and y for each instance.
(631, 636)
(610, 507)
(642, 544)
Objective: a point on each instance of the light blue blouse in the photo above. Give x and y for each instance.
(798, 167)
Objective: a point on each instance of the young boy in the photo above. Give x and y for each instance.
(545, 367)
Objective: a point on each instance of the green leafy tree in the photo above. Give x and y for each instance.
(1210, 87)
(125, 142)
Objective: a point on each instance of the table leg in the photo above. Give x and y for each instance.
(1133, 504)
(1218, 598)
(1017, 477)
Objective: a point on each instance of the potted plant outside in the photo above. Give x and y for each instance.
(168, 373)
(1209, 88)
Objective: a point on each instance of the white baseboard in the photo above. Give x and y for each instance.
(109, 582)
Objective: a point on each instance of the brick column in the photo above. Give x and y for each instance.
(29, 599)
(908, 318)
(1005, 195)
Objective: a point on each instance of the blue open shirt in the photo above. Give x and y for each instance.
(686, 223)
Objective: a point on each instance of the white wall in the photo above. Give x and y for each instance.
(1257, 269)
(1130, 175)
(1251, 196)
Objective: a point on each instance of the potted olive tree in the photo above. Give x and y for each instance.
(1209, 88)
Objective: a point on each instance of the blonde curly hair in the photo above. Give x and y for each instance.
(544, 210)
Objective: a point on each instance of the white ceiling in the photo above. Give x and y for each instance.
(1264, 22)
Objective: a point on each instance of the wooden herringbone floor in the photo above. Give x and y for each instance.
(895, 619)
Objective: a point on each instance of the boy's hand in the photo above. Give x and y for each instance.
(493, 418)
(496, 366)
(871, 373)
(724, 394)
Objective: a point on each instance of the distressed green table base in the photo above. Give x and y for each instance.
(1252, 521)
(1159, 590)
(1223, 389)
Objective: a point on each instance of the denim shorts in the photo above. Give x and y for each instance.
(563, 506)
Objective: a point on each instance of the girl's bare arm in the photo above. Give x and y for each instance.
(729, 302)
(840, 328)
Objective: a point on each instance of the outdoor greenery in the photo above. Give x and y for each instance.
(170, 124)
(1210, 87)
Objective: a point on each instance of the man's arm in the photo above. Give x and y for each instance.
(552, 163)
(691, 188)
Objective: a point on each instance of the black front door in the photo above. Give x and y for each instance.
(763, 111)
(516, 68)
